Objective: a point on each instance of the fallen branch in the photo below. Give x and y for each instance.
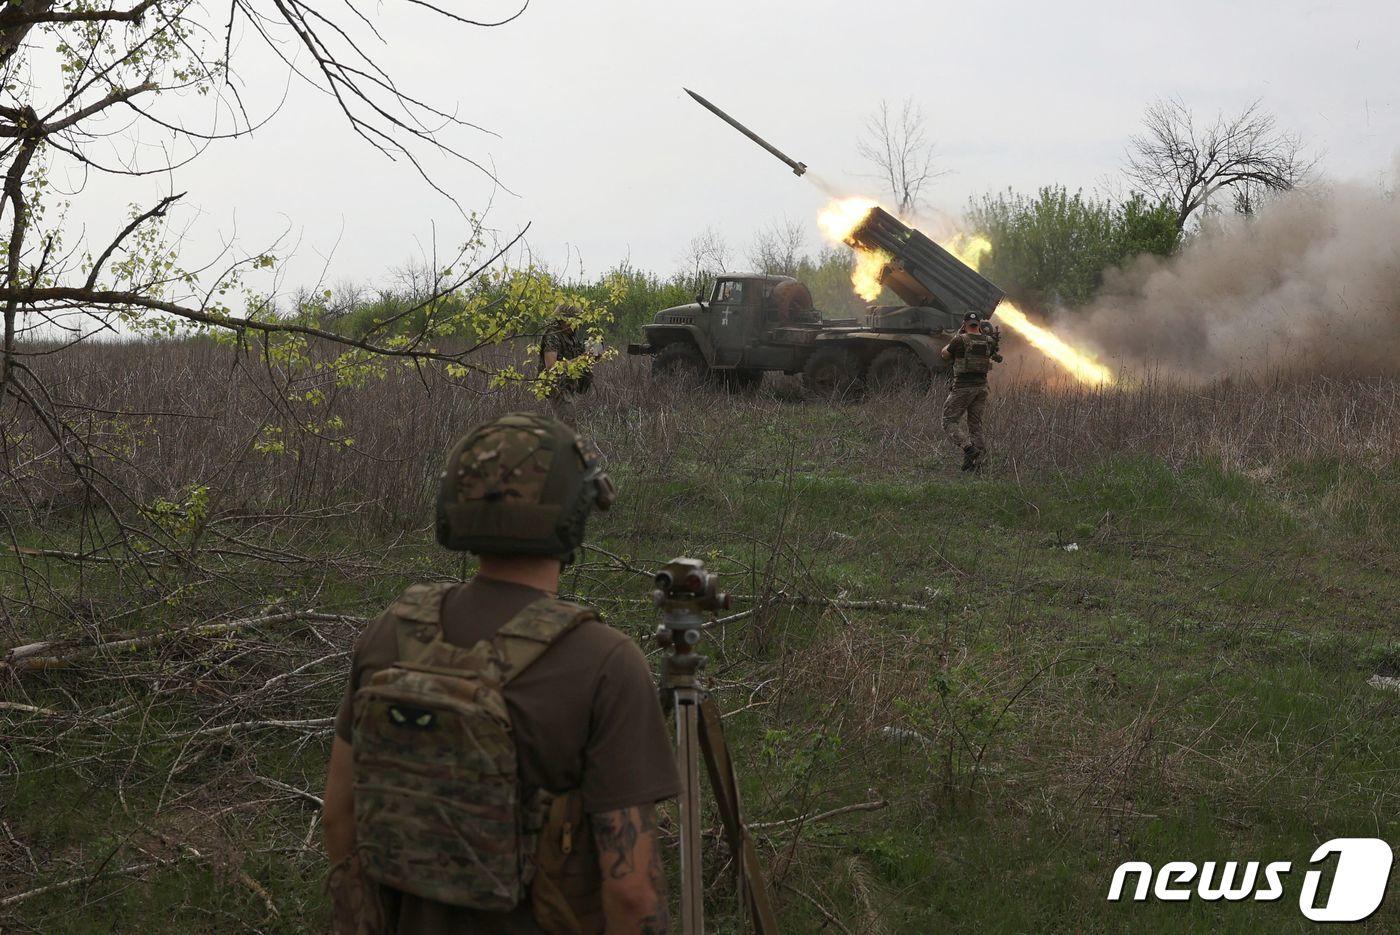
(802, 600)
(830, 916)
(302, 668)
(315, 722)
(721, 621)
(80, 556)
(260, 892)
(16, 898)
(797, 600)
(874, 806)
(61, 653)
(293, 790)
(29, 709)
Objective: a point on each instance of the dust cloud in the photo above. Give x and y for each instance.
(1311, 283)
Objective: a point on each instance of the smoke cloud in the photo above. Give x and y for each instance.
(1311, 283)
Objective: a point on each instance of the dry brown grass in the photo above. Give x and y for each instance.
(163, 417)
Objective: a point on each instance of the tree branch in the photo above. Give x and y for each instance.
(158, 211)
(18, 15)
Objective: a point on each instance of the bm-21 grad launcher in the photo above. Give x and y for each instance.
(938, 286)
(754, 324)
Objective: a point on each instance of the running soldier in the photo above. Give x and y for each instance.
(972, 353)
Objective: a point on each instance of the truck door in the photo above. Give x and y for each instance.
(732, 314)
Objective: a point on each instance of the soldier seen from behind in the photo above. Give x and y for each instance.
(562, 342)
(498, 751)
(972, 352)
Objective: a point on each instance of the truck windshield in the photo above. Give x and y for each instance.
(729, 290)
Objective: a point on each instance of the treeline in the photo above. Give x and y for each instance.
(1050, 249)
(1053, 248)
(629, 294)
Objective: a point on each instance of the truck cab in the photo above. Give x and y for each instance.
(736, 310)
(734, 328)
(747, 313)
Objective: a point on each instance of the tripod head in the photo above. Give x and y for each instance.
(686, 594)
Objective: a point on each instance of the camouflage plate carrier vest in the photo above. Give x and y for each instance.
(439, 809)
(569, 346)
(976, 356)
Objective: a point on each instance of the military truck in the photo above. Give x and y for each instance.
(750, 324)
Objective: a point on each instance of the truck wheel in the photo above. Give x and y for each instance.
(679, 360)
(742, 381)
(897, 369)
(832, 373)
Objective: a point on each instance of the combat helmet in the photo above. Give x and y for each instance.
(521, 484)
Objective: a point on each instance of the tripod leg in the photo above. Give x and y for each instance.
(753, 891)
(688, 764)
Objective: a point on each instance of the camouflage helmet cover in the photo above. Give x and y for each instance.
(521, 484)
(566, 317)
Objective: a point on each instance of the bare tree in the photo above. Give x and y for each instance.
(896, 144)
(706, 256)
(779, 248)
(1187, 165)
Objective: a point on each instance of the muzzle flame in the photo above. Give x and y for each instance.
(842, 216)
(868, 271)
(1080, 365)
(836, 221)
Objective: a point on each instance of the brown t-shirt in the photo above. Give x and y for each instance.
(585, 716)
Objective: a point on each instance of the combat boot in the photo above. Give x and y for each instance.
(970, 456)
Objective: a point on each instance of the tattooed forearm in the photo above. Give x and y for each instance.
(617, 834)
(634, 880)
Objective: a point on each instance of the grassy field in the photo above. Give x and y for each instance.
(1145, 633)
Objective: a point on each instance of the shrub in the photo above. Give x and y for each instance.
(1053, 248)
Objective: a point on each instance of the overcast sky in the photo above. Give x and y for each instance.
(608, 159)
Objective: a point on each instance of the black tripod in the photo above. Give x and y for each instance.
(685, 592)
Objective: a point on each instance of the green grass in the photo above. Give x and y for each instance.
(1188, 683)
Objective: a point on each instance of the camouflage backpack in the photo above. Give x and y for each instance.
(976, 356)
(439, 809)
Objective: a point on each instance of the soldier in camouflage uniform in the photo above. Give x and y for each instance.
(972, 353)
(498, 751)
(561, 341)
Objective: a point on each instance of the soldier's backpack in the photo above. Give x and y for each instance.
(976, 356)
(439, 809)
